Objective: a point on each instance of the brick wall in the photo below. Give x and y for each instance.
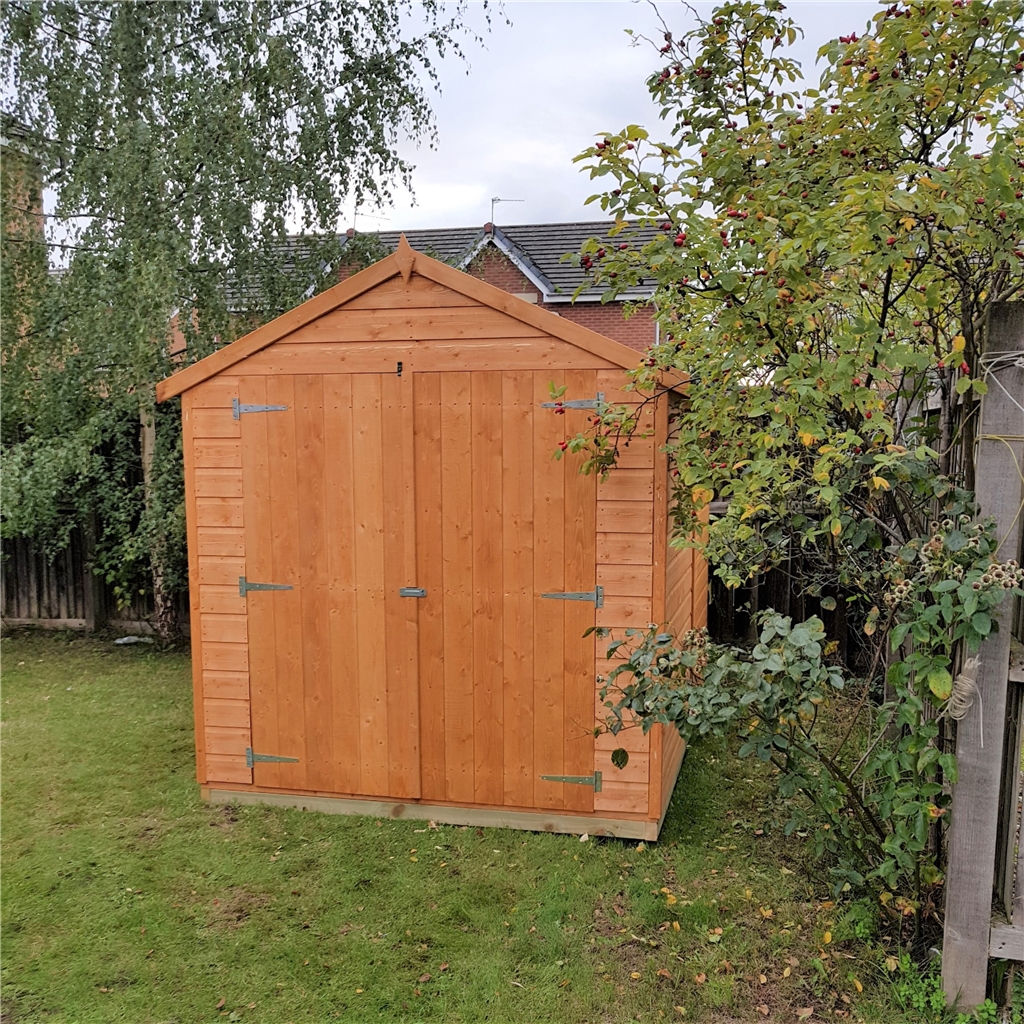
(637, 332)
(494, 267)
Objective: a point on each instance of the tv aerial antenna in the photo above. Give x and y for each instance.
(498, 199)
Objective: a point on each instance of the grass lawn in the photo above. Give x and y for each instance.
(125, 898)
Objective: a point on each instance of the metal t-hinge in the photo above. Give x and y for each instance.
(237, 408)
(577, 403)
(577, 780)
(596, 595)
(251, 758)
(244, 586)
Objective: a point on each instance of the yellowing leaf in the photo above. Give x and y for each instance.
(837, 528)
(908, 222)
(940, 682)
(879, 483)
(959, 342)
(827, 938)
(670, 900)
(787, 972)
(702, 496)
(857, 985)
(807, 438)
(635, 975)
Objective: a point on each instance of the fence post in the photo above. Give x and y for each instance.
(980, 735)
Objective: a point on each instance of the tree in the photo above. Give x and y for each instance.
(828, 258)
(180, 141)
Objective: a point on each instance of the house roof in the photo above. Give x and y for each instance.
(404, 260)
(536, 249)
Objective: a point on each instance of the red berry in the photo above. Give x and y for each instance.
(563, 445)
(964, 368)
(867, 415)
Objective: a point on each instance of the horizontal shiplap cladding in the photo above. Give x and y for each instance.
(220, 561)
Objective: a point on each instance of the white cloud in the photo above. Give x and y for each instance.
(538, 93)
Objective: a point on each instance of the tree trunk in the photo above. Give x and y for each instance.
(163, 602)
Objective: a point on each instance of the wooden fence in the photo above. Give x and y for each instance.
(985, 876)
(63, 593)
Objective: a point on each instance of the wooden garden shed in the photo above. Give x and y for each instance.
(391, 574)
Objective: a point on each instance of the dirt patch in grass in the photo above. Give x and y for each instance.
(235, 908)
(608, 915)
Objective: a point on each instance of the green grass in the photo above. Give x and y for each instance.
(126, 898)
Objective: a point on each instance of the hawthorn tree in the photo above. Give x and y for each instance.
(178, 141)
(828, 258)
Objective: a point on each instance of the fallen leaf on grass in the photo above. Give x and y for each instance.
(564, 983)
(804, 1012)
(443, 967)
(787, 972)
(518, 984)
(107, 990)
(701, 978)
(762, 1009)
(423, 979)
(763, 979)
(664, 973)
(635, 975)
(681, 1010)
(220, 1005)
(857, 985)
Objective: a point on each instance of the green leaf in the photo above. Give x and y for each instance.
(940, 682)
(981, 623)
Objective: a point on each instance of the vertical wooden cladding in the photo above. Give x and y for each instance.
(505, 687)
(214, 481)
(332, 660)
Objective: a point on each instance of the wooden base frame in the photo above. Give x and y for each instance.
(482, 817)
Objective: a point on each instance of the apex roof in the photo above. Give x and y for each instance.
(536, 249)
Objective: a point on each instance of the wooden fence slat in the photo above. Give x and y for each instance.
(975, 811)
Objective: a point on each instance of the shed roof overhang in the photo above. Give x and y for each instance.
(405, 260)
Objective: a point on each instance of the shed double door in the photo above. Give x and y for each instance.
(366, 484)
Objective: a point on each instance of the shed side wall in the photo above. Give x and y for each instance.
(217, 559)
(626, 557)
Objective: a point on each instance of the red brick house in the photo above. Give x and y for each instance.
(526, 260)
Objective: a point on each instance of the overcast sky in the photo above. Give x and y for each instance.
(538, 92)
